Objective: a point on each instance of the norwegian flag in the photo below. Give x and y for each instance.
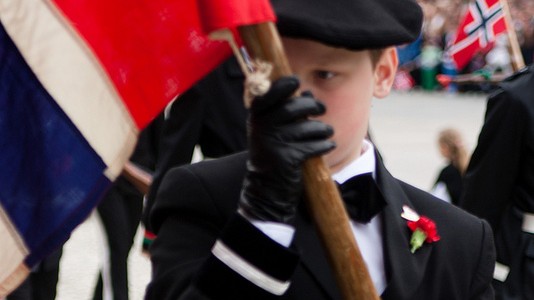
(483, 22)
(78, 80)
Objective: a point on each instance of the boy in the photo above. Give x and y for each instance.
(233, 228)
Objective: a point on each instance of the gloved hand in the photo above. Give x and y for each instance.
(281, 138)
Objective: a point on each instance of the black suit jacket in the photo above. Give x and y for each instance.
(196, 206)
(499, 182)
(501, 170)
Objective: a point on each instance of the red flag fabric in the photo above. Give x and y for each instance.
(154, 50)
(232, 13)
(483, 22)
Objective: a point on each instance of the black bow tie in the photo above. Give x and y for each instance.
(363, 200)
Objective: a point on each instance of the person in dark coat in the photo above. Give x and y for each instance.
(235, 228)
(499, 183)
(449, 183)
(210, 115)
(119, 214)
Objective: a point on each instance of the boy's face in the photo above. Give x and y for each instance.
(345, 81)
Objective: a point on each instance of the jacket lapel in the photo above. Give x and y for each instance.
(405, 270)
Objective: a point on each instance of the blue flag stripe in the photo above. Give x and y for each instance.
(44, 157)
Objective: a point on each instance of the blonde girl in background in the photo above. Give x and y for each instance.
(448, 185)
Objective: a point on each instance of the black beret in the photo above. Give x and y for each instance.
(352, 24)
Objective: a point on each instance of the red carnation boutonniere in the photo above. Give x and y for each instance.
(423, 228)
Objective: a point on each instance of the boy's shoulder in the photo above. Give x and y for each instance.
(220, 174)
(235, 161)
(192, 189)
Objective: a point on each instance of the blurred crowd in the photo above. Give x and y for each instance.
(423, 61)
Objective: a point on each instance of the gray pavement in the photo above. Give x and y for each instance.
(81, 259)
(404, 126)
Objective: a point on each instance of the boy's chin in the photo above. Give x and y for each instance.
(333, 162)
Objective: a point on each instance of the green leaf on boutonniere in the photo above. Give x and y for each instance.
(417, 240)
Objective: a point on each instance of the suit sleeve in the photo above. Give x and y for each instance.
(481, 287)
(492, 171)
(200, 253)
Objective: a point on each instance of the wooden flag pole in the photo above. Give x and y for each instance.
(326, 208)
(138, 177)
(514, 49)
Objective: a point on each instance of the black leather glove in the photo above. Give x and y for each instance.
(281, 138)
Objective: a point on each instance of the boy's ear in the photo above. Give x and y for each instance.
(384, 73)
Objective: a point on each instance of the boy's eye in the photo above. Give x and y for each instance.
(324, 74)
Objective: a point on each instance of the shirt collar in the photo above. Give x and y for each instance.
(366, 163)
